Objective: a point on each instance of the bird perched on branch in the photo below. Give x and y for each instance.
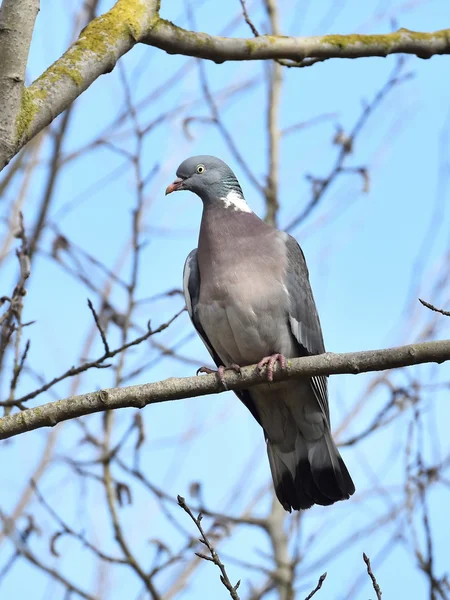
(248, 295)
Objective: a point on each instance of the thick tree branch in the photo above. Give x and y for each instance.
(139, 396)
(97, 50)
(175, 40)
(113, 34)
(17, 18)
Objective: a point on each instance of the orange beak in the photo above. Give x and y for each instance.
(176, 185)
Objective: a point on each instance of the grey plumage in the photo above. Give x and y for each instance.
(248, 294)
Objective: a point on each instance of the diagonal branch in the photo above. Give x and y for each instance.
(97, 50)
(139, 396)
(214, 557)
(446, 313)
(318, 586)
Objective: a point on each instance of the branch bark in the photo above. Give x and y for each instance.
(110, 36)
(97, 50)
(17, 18)
(139, 396)
(175, 40)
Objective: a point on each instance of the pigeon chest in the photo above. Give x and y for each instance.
(243, 306)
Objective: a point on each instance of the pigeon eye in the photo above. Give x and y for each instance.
(200, 169)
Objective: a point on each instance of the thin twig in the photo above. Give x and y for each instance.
(376, 587)
(23, 548)
(247, 19)
(318, 586)
(11, 325)
(67, 530)
(346, 142)
(53, 174)
(96, 363)
(446, 313)
(214, 558)
(99, 327)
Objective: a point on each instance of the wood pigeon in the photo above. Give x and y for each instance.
(248, 295)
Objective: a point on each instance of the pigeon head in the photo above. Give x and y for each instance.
(211, 179)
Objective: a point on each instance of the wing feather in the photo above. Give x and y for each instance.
(191, 289)
(303, 316)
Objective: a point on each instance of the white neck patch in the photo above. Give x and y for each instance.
(235, 201)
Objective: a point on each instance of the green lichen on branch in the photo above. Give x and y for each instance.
(102, 37)
(387, 40)
(175, 40)
(30, 105)
(126, 20)
(199, 38)
(343, 41)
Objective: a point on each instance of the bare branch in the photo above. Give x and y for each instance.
(275, 85)
(248, 20)
(113, 34)
(11, 324)
(52, 176)
(118, 531)
(99, 327)
(346, 141)
(318, 586)
(175, 40)
(20, 542)
(214, 556)
(96, 52)
(139, 396)
(95, 364)
(65, 529)
(375, 585)
(284, 572)
(446, 313)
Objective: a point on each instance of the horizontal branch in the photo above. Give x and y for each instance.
(139, 396)
(175, 40)
(108, 37)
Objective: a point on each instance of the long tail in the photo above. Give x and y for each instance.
(312, 473)
(306, 466)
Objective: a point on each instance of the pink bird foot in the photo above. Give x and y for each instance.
(220, 372)
(270, 362)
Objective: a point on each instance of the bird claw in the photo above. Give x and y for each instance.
(220, 372)
(205, 370)
(270, 362)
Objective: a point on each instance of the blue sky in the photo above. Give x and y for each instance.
(370, 255)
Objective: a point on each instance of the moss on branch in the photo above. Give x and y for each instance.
(99, 40)
(31, 103)
(175, 40)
